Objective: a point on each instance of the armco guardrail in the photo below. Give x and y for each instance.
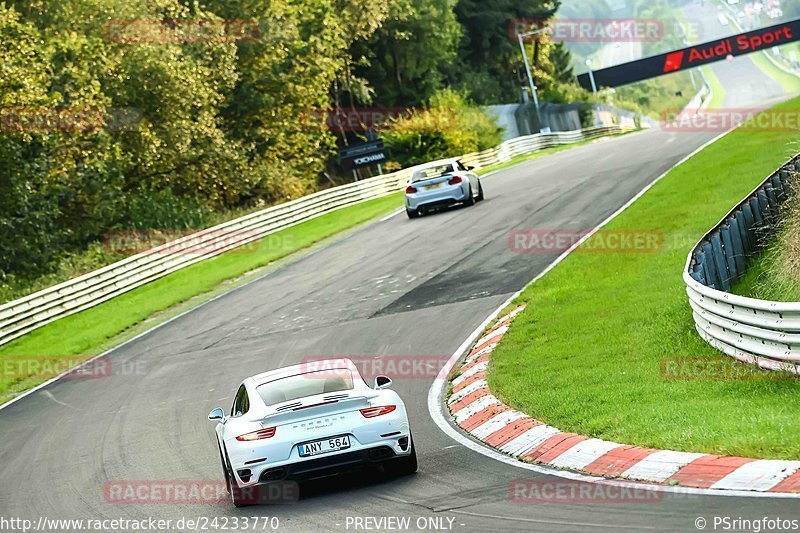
(755, 331)
(26, 314)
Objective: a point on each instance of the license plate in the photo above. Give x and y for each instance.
(436, 186)
(324, 446)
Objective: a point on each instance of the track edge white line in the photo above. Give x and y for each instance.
(436, 392)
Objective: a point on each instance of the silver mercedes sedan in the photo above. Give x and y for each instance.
(440, 185)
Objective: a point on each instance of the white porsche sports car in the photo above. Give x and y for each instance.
(309, 421)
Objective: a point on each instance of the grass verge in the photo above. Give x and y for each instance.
(587, 354)
(789, 82)
(775, 274)
(45, 352)
(717, 90)
(765, 281)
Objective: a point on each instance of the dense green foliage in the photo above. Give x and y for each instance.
(162, 114)
(207, 123)
(405, 60)
(447, 127)
(490, 67)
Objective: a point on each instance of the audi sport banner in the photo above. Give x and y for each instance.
(694, 56)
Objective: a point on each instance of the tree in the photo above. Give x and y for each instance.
(562, 64)
(405, 60)
(492, 69)
(285, 76)
(27, 205)
(449, 125)
(75, 177)
(596, 10)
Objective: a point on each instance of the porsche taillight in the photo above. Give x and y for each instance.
(372, 412)
(266, 433)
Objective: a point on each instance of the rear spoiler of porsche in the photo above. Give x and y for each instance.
(315, 407)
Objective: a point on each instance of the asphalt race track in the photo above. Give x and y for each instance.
(396, 287)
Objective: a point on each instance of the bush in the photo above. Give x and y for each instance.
(448, 126)
(153, 209)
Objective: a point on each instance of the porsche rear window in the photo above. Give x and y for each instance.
(432, 172)
(308, 384)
